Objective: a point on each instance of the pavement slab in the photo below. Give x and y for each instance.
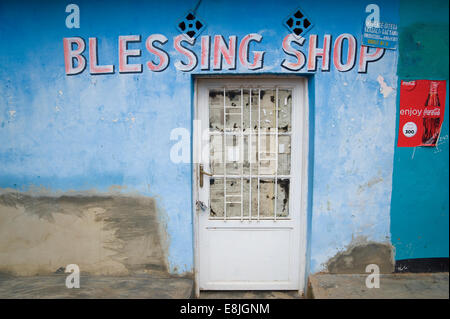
(96, 287)
(392, 286)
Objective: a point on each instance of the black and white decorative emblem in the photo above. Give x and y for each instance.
(298, 23)
(191, 25)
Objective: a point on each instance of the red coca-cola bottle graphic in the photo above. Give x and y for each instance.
(431, 116)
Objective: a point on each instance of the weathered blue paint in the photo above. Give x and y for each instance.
(312, 108)
(419, 213)
(91, 132)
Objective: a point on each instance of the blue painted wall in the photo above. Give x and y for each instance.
(419, 216)
(86, 132)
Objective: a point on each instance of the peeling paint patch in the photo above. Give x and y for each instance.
(384, 88)
(359, 254)
(103, 234)
(370, 183)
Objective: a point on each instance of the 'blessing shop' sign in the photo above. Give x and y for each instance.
(218, 53)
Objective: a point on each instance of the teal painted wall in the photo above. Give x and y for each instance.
(420, 200)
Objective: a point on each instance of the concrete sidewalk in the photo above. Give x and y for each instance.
(96, 287)
(321, 286)
(392, 286)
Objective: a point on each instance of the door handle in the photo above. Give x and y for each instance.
(201, 206)
(202, 172)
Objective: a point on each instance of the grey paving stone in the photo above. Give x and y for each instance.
(392, 286)
(96, 287)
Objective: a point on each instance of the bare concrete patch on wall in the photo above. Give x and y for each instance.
(361, 253)
(103, 234)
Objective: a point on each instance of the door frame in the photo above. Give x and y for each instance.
(303, 214)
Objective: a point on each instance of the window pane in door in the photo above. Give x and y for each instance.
(266, 197)
(216, 110)
(283, 197)
(216, 194)
(284, 110)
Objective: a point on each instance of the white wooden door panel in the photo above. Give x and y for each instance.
(243, 263)
(250, 138)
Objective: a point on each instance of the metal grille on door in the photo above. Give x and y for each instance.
(250, 153)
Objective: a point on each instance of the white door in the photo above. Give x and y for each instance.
(250, 135)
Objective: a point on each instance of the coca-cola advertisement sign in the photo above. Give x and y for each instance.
(422, 108)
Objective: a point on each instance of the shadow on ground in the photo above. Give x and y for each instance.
(249, 295)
